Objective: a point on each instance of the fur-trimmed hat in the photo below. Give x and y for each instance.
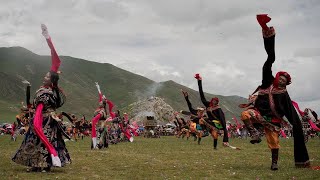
(214, 99)
(281, 73)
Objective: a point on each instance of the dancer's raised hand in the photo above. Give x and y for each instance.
(185, 93)
(45, 32)
(197, 76)
(26, 82)
(98, 87)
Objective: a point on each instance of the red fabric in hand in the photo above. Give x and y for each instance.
(55, 60)
(37, 122)
(94, 123)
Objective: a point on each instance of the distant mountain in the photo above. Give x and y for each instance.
(77, 80)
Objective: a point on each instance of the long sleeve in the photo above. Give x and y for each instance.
(203, 99)
(110, 105)
(37, 122)
(267, 77)
(100, 97)
(28, 96)
(300, 151)
(99, 92)
(315, 115)
(94, 121)
(193, 111)
(175, 123)
(183, 121)
(55, 60)
(179, 123)
(223, 123)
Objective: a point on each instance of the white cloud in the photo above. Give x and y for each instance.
(173, 39)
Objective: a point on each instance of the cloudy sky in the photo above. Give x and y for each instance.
(174, 39)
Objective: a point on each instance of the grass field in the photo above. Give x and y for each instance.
(167, 158)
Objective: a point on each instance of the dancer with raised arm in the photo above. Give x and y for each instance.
(197, 115)
(215, 114)
(26, 111)
(273, 103)
(43, 145)
(99, 114)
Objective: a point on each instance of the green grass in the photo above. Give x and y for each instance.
(8, 117)
(167, 158)
(8, 111)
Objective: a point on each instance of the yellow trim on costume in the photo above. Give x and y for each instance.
(216, 121)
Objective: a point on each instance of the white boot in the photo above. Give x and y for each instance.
(55, 161)
(94, 142)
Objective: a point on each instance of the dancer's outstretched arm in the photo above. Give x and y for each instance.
(55, 60)
(186, 96)
(27, 92)
(99, 91)
(111, 105)
(202, 97)
(269, 42)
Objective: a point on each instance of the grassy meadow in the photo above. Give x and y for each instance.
(167, 158)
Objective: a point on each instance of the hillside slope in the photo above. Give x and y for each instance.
(77, 80)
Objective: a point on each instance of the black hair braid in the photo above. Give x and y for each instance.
(58, 93)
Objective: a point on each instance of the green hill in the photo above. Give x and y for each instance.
(77, 80)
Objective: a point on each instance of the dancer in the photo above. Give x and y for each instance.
(196, 116)
(308, 121)
(125, 127)
(13, 132)
(84, 127)
(185, 129)
(75, 128)
(43, 145)
(308, 115)
(272, 103)
(26, 111)
(99, 114)
(215, 114)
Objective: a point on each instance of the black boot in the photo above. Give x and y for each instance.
(215, 143)
(105, 142)
(47, 169)
(33, 169)
(255, 135)
(199, 140)
(275, 155)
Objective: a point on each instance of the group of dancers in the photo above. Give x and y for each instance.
(265, 110)
(44, 147)
(112, 126)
